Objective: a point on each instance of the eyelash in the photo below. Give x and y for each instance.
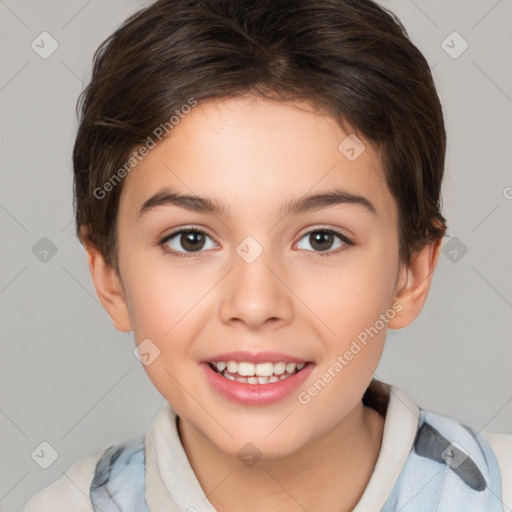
(347, 242)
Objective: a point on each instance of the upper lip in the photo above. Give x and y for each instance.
(254, 357)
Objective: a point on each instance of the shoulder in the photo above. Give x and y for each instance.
(70, 491)
(480, 459)
(501, 445)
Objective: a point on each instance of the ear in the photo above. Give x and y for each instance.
(413, 284)
(107, 283)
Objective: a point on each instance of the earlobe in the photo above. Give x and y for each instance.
(107, 284)
(414, 284)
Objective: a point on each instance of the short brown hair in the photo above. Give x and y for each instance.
(350, 58)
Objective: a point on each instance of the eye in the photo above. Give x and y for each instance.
(324, 242)
(189, 240)
(185, 242)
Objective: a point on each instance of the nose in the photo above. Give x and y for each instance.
(255, 294)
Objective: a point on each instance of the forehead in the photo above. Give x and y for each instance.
(251, 152)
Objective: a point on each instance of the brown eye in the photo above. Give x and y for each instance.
(321, 240)
(186, 241)
(192, 240)
(325, 241)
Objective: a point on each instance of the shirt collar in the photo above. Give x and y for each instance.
(171, 484)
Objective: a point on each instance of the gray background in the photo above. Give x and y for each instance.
(70, 379)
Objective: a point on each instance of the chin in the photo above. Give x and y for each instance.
(257, 443)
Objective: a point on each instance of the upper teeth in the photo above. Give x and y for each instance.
(246, 369)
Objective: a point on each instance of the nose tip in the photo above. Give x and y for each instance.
(254, 295)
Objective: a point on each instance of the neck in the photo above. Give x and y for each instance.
(336, 465)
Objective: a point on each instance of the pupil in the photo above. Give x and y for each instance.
(192, 241)
(324, 239)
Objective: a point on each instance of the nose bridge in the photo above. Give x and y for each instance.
(254, 292)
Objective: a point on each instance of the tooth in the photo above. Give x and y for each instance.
(252, 380)
(264, 369)
(283, 377)
(290, 367)
(300, 366)
(273, 378)
(245, 369)
(232, 366)
(228, 376)
(279, 368)
(241, 379)
(221, 366)
(262, 380)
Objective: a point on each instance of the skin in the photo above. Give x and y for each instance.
(253, 154)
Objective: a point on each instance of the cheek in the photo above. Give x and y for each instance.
(355, 305)
(352, 297)
(161, 296)
(165, 310)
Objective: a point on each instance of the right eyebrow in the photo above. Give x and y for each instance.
(168, 197)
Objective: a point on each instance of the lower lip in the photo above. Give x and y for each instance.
(256, 394)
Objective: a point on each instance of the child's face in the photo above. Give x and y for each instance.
(253, 156)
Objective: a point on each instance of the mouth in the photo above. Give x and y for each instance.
(256, 374)
(255, 379)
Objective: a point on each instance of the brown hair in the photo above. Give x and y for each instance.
(349, 58)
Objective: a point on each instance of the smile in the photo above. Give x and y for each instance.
(255, 379)
(260, 373)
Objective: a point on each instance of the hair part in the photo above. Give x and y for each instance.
(351, 59)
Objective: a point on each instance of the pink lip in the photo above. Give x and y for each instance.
(255, 394)
(253, 357)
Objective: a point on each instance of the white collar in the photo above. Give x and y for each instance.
(171, 484)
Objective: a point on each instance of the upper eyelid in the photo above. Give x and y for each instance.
(180, 231)
(308, 230)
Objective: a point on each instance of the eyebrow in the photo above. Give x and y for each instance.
(296, 206)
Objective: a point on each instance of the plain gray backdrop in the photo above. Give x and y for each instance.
(68, 378)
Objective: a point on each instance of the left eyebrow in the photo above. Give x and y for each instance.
(324, 200)
(199, 204)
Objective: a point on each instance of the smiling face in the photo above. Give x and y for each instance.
(262, 274)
